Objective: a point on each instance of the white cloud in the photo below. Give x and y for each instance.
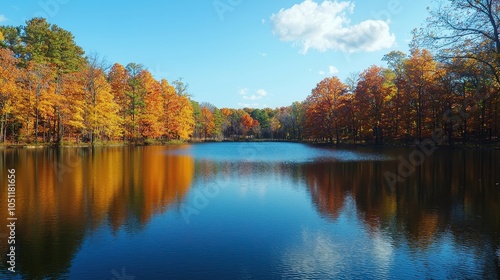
(333, 70)
(263, 21)
(263, 54)
(244, 91)
(321, 73)
(326, 26)
(253, 97)
(249, 105)
(259, 94)
(262, 92)
(3, 18)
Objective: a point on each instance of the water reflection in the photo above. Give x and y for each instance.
(443, 221)
(318, 257)
(457, 213)
(63, 194)
(281, 211)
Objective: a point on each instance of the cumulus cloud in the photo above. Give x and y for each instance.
(249, 105)
(243, 91)
(326, 26)
(252, 97)
(262, 92)
(259, 94)
(333, 70)
(3, 18)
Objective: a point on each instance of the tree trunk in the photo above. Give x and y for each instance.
(2, 124)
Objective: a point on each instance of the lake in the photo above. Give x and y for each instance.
(252, 211)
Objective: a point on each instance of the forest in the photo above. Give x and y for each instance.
(52, 92)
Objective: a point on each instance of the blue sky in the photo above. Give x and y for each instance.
(235, 53)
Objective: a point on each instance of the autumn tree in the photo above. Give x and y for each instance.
(135, 100)
(235, 128)
(465, 29)
(48, 44)
(323, 120)
(8, 89)
(248, 123)
(170, 108)
(207, 122)
(40, 45)
(50, 92)
(347, 110)
(118, 78)
(70, 105)
(93, 69)
(282, 123)
(225, 123)
(396, 61)
(420, 71)
(350, 105)
(150, 120)
(178, 112)
(102, 112)
(373, 94)
(185, 118)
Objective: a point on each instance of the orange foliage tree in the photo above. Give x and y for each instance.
(60, 94)
(150, 120)
(372, 95)
(208, 122)
(248, 123)
(323, 118)
(8, 89)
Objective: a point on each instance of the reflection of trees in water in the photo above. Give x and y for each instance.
(451, 193)
(207, 170)
(64, 193)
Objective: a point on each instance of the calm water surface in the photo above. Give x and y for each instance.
(251, 211)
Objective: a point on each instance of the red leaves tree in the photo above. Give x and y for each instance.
(371, 95)
(323, 117)
(248, 123)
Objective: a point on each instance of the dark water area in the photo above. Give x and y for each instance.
(251, 211)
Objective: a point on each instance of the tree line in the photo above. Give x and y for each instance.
(449, 83)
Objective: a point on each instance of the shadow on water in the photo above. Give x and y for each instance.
(63, 195)
(453, 194)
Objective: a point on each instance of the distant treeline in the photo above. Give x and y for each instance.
(51, 92)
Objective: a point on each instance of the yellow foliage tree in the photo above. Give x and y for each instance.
(71, 104)
(208, 122)
(103, 113)
(185, 118)
(178, 114)
(8, 89)
(150, 121)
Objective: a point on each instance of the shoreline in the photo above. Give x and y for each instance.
(468, 146)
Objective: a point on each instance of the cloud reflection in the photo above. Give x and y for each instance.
(317, 257)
